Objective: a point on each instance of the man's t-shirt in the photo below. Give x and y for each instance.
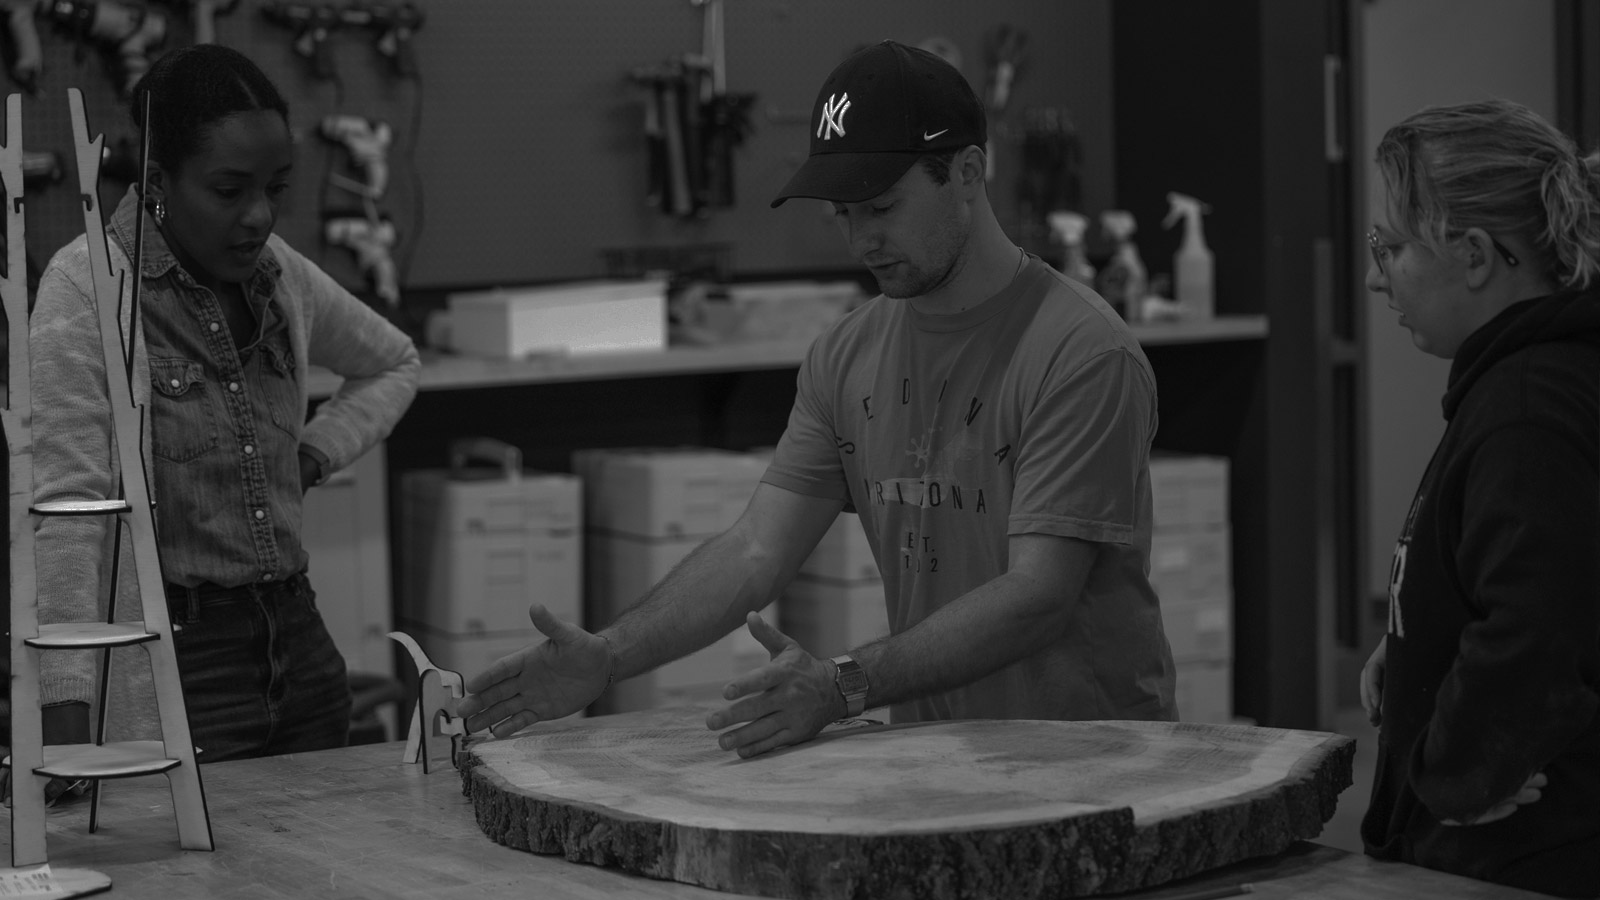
(1032, 412)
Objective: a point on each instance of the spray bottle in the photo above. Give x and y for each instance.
(1122, 281)
(1192, 264)
(1068, 228)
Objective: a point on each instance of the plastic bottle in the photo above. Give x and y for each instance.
(1068, 228)
(1192, 265)
(1123, 280)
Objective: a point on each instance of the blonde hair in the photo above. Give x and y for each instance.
(1498, 166)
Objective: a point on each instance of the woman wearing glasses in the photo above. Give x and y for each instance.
(1487, 684)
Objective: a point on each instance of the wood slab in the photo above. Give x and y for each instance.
(969, 809)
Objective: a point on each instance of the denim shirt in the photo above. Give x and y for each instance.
(225, 423)
(225, 426)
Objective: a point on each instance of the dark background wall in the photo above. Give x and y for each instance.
(519, 151)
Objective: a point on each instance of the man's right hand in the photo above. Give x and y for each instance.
(1372, 682)
(543, 681)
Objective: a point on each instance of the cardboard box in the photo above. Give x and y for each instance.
(666, 492)
(831, 617)
(843, 554)
(576, 318)
(1200, 630)
(464, 653)
(622, 569)
(1204, 692)
(1191, 565)
(1188, 491)
(476, 552)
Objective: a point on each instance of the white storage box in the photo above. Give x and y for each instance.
(479, 546)
(666, 492)
(1188, 490)
(621, 569)
(1191, 565)
(828, 618)
(843, 554)
(1204, 692)
(577, 318)
(1199, 631)
(467, 654)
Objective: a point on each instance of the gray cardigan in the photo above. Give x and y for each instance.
(74, 455)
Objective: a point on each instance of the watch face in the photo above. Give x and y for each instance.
(852, 680)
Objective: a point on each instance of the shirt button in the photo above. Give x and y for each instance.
(233, 386)
(260, 514)
(175, 382)
(249, 449)
(215, 327)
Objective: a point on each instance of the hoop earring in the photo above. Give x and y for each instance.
(159, 211)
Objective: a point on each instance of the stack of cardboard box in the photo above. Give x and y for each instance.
(1190, 570)
(836, 601)
(477, 551)
(645, 509)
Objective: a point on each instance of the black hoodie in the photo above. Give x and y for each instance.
(1493, 670)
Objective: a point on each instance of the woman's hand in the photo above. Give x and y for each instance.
(1372, 682)
(310, 471)
(1530, 792)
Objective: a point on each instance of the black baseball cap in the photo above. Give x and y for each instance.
(877, 114)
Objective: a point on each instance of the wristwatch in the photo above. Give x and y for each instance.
(851, 680)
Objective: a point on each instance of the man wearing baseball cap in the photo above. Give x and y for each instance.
(988, 419)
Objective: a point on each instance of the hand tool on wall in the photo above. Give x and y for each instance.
(1005, 55)
(1005, 49)
(203, 16)
(312, 25)
(367, 141)
(370, 239)
(396, 24)
(40, 166)
(671, 189)
(692, 124)
(436, 731)
(127, 32)
(26, 56)
(1049, 176)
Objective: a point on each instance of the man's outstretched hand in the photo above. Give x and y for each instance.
(784, 702)
(548, 680)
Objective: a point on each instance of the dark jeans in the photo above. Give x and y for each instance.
(260, 674)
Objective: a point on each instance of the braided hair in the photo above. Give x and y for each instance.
(191, 89)
(1499, 166)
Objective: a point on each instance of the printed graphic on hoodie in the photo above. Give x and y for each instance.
(1397, 570)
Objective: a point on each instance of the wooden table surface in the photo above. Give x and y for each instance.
(358, 823)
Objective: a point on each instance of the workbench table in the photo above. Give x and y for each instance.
(358, 823)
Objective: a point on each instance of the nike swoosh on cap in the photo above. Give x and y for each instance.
(928, 137)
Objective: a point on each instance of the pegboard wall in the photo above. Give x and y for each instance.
(518, 149)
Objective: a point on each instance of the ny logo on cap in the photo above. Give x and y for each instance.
(833, 116)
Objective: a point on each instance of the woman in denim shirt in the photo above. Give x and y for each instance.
(231, 319)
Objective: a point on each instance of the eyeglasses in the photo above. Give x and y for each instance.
(1382, 250)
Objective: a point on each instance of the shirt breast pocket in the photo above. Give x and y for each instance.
(281, 389)
(182, 424)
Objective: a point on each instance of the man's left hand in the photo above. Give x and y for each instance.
(784, 702)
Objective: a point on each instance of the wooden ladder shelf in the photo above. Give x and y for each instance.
(32, 763)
